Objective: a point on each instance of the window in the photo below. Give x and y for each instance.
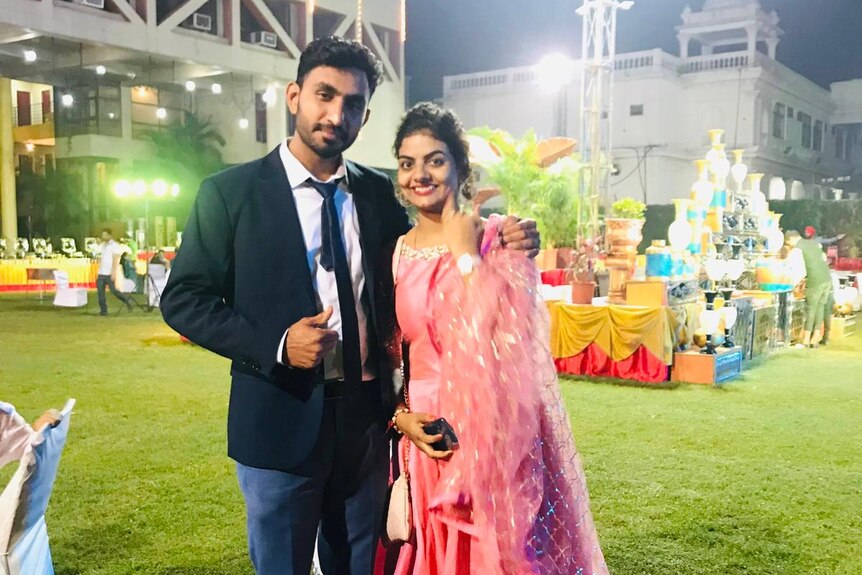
(806, 130)
(839, 143)
(778, 119)
(636, 110)
(818, 136)
(789, 112)
(259, 118)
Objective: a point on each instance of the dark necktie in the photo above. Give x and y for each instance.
(333, 257)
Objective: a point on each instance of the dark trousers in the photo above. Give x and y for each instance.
(336, 495)
(101, 282)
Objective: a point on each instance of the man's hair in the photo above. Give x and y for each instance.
(335, 52)
(108, 231)
(791, 235)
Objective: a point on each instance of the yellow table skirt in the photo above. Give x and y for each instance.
(13, 273)
(619, 330)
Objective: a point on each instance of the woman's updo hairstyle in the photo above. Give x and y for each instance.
(443, 125)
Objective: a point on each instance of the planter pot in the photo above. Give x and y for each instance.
(623, 237)
(554, 258)
(583, 292)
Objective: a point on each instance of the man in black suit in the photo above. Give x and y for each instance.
(284, 270)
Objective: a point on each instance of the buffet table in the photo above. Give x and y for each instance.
(29, 275)
(626, 342)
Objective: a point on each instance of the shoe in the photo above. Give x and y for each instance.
(824, 341)
(129, 306)
(103, 313)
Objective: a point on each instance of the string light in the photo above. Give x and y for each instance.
(243, 123)
(404, 20)
(161, 113)
(101, 70)
(216, 88)
(190, 86)
(30, 56)
(67, 100)
(359, 21)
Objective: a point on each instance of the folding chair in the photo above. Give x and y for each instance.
(24, 548)
(67, 296)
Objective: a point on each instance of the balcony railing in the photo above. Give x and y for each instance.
(32, 115)
(726, 61)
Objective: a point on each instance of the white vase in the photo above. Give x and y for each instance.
(680, 232)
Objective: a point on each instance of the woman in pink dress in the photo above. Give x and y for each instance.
(511, 499)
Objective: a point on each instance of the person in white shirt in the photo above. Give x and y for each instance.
(108, 270)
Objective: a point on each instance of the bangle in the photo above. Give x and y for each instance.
(398, 412)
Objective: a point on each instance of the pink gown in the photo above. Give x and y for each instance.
(512, 500)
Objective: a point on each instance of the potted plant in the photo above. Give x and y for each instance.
(624, 234)
(585, 261)
(539, 180)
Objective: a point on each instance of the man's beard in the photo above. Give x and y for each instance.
(324, 150)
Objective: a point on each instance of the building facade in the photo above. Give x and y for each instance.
(84, 82)
(807, 140)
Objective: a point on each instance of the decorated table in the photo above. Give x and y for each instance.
(627, 342)
(29, 274)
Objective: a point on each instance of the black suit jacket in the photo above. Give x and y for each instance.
(241, 278)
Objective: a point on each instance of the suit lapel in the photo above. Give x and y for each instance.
(369, 229)
(282, 221)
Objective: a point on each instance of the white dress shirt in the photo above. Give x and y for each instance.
(309, 204)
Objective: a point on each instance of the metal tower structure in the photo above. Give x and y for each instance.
(598, 50)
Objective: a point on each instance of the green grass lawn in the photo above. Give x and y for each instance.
(763, 476)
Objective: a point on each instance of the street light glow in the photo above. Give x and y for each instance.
(160, 188)
(554, 71)
(140, 188)
(243, 123)
(67, 100)
(30, 56)
(122, 188)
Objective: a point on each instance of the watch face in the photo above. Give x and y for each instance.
(465, 264)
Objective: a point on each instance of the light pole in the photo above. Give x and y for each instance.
(598, 50)
(140, 189)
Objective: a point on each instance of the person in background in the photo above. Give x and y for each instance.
(109, 267)
(159, 258)
(818, 284)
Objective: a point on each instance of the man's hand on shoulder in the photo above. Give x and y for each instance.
(309, 340)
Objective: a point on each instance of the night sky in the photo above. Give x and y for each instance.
(822, 38)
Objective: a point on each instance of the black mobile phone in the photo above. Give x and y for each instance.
(442, 427)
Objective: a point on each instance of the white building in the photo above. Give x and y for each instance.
(83, 81)
(806, 139)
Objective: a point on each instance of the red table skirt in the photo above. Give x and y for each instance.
(640, 366)
(47, 288)
(554, 277)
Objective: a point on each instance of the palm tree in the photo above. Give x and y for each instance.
(186, 153)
